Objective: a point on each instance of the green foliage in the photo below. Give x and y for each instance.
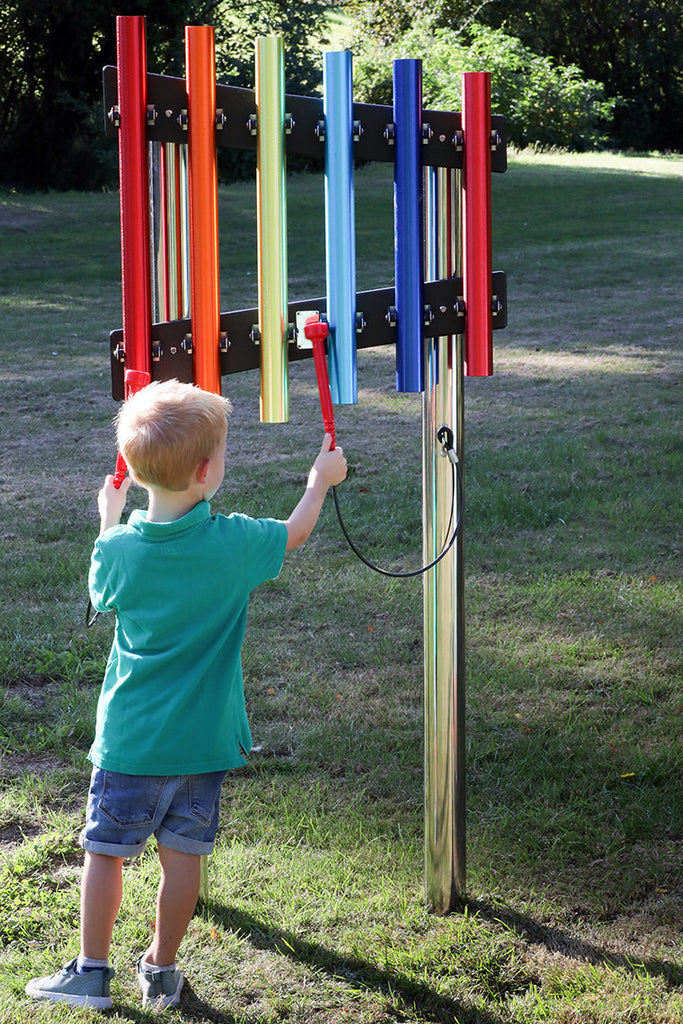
(544, 104)
(301, 25)
(633, 47)
(51, 60)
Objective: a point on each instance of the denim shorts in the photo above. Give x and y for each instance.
(125, 810)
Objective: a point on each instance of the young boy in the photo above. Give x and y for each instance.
(171, 716)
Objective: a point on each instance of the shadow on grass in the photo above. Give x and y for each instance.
(556, 940)
(402, 992)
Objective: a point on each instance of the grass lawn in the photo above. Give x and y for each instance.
(574, 610)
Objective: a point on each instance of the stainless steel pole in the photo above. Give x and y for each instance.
(444, 635)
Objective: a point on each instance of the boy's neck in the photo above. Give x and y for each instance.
(167, 506)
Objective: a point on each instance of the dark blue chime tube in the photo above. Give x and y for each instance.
(408, 242)
(340, 241)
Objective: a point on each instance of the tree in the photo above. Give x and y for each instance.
(544, 104)
(302, 25)
(51, 60)
(633, 47)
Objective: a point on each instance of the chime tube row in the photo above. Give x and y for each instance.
(340, 241)
(272, 218)
(443, 248)
(476, 222)
(271, 228)
(408, 229)
(203, 202)
(134, 192)
(174, 228)
(168, 232)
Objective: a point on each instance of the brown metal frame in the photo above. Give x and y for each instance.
(167, 122)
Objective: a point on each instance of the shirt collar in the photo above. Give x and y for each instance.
(197, 515)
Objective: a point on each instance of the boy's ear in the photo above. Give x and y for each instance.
(202, 470)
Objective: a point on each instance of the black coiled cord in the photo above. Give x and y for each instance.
(445, 436)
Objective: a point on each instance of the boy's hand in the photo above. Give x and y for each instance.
(111, 502)
(328, 470)
(330, 465)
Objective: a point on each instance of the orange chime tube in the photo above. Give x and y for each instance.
(476, 223)
(203, 201)
(136, 289)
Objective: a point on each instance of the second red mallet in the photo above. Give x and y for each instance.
(316, 330)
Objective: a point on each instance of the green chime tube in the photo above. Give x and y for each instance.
(271, 228)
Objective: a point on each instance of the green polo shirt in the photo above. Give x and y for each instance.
(172, 700)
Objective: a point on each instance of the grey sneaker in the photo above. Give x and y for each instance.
(66, 986)
(160, 988)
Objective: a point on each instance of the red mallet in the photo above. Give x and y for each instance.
(133, 381)
(316, 330)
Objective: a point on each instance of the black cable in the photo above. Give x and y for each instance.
(445, 436)
(91, 616)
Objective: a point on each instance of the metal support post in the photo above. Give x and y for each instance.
(444, 650)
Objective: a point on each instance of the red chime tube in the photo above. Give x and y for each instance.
(476, 223)
(134, 200)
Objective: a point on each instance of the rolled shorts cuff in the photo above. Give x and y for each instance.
(183, 844)
(111, 849)
(165, 838)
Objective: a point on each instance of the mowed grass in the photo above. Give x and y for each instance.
(573, 610)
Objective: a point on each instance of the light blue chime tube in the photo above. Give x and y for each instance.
(340, 241)
(408, 233)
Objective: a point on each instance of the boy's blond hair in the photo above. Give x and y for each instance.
(167, 429)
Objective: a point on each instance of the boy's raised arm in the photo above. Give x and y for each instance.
(111, 502)
(328, 470)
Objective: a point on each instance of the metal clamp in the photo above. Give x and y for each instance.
(302, 341)
(446, 439)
